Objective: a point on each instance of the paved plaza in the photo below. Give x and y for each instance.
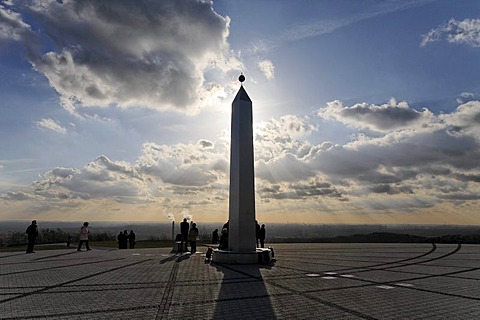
(308, 281)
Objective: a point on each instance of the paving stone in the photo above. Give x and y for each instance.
(308, 281)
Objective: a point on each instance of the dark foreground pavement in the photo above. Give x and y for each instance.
(308, 281)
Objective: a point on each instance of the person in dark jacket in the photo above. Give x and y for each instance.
(32, 234)
(184, 228)
(131, 239)
(215, 236)
(262, 236)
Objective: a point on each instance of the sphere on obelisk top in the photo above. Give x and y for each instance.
(241, 78)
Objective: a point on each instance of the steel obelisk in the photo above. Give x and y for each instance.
(241, 212)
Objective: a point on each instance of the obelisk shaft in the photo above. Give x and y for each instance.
(242, 179)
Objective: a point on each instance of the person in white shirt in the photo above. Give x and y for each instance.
(83, 237)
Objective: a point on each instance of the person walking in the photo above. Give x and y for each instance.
(131, 239)
(215, 236)
(32, 234)
(262, 236)
(192, 238)
(83, 237)
(184, 231)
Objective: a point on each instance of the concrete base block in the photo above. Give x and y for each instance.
(261, 256)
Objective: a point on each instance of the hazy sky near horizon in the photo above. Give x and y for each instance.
(364, 111)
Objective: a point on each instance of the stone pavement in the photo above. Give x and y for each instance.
(308, 281)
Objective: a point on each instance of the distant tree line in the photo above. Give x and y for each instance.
(47, 235)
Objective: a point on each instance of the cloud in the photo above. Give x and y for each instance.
(268, 69)
(387, 117)
(16, 196)
(152, 54)
(50, 124)
(316, 28)
(423, 160)
(466, 32)
(12, 26)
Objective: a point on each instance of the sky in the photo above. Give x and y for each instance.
(365, 111)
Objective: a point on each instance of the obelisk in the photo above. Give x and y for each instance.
(241, 213)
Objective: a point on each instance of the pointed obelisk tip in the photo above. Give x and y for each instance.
(241, 78)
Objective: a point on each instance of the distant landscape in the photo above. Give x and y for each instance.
(346, 233)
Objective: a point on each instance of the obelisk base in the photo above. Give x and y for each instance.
(260, 256)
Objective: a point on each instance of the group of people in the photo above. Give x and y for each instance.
(32, 234)
(222, 241)
(189, 234)
(124, 239)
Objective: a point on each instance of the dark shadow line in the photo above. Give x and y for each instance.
(12, 255)
(71, 281)
(59, 267)
(166, 300)
(81, 313)
(54, 256)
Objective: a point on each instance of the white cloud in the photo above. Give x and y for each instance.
(12, 26)
(147, 53)
(268, 69)
(466, 32)
(50, 124)
(408, 166)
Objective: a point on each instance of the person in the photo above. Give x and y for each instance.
(120, 240)
(257, 232)
(131, 239)
(83, 237)
(125, 239)
(184, 231)
(192, 238)
(262, 236)
(215, 236)
(69, 240)
(223, 240)
(32, 234)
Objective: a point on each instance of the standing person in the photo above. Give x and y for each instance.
(192, 237)
(184, 231)
(262, 236)
(32, 234)
(215, 236)
(257, 232)
(69, 240)
(223, 240)
(131, 239)
(125, 239)
(120, 240)
(83, 237)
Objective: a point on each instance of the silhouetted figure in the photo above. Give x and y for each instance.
(192, 238)
(225, 226)
(184, 227)
(131, 239)
(32, 234)
(223, 240)
(262, 236)
(69, 240)
(215, 236)
(123, 240)
(257, 232)
(83, 237)
(120, 240)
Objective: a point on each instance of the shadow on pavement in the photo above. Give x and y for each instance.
(243, 294)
